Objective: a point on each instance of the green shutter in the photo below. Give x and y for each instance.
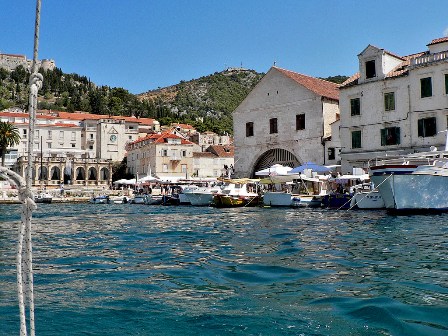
(397, 135)
(446, 83)
(421, 132)
(426, 87)
(383, 137)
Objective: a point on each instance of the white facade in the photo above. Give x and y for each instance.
(394, 105)
(285, 120)
(164, 155)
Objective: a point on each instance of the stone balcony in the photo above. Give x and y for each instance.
(428, 58)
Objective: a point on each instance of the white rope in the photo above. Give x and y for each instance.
(23, 260)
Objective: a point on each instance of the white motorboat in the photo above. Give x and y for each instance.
(120, 199)
(43, 197)
(102, 199)
(139, 199)
(202, 196)
(418, 182)
(367, 200)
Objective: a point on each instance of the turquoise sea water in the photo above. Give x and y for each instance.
(154, 270)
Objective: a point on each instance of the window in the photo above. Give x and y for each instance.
(184, 168)
(370, 69)
(249, 129)
(300, 122)
(73, 136)
(389, 101)
(91, 147)
(427, 127)
(390, 136)
(36, 134)
(273, 125)
(356, 139)
(184, 153)
(355, 106)
(73, 145)
(48, 144)
(426, 87)
(61, 134)
(331, 153)
(165, 168)
(164, 152)
(49, 134)
(24, 133)
(91, 136)
(446, 83)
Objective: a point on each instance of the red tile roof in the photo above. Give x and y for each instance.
(183, 126)
(319, 86)
(160, 138)
(438, 40)
(204, 155)
(222, 151)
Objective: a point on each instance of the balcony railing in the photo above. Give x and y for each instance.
(430, 58)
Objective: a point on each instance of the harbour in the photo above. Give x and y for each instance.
(123, 269)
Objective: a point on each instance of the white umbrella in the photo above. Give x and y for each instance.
(121, 181)
(276, 169)
(148, 179)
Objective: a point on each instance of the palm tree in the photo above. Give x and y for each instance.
(9, 136)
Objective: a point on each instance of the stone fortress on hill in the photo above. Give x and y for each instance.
(11, 61)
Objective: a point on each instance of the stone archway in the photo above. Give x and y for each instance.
(275, 156)
(80, 174)
(104, 174)
(55, 173)
(92, 174)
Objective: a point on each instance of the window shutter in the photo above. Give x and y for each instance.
(397, 135)
(421, 132)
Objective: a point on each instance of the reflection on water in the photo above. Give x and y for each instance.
(144, 270)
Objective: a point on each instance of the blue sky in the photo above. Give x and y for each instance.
(144, 44)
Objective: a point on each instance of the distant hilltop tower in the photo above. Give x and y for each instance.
(11, 61)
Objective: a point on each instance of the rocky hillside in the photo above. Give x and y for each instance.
(207, 102)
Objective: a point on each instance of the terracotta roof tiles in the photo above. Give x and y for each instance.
(319, 86)
(438, 40)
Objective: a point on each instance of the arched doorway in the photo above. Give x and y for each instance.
(43, 173)
(55, 174)
(275, 156)
(92, 174)
(80, 174)
(104, 174)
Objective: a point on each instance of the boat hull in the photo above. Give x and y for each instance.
(229, 201)
(415, 192)
(368, 200)
(200, 199)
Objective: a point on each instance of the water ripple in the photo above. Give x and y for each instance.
(141, 270)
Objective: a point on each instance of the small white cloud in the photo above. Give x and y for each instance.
(445, 32)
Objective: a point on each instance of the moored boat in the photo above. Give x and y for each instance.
(101, 199)
(43, 197)
(418, 182)
(236, 193)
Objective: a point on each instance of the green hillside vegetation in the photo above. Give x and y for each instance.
(206, 103)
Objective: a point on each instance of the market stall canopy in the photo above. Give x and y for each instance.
(310, 165)
(276, 169)
(124, 181)
(148, 179)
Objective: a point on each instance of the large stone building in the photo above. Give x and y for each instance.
(73, 148)
(285, 119)
(395, 104)
(10, 62)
